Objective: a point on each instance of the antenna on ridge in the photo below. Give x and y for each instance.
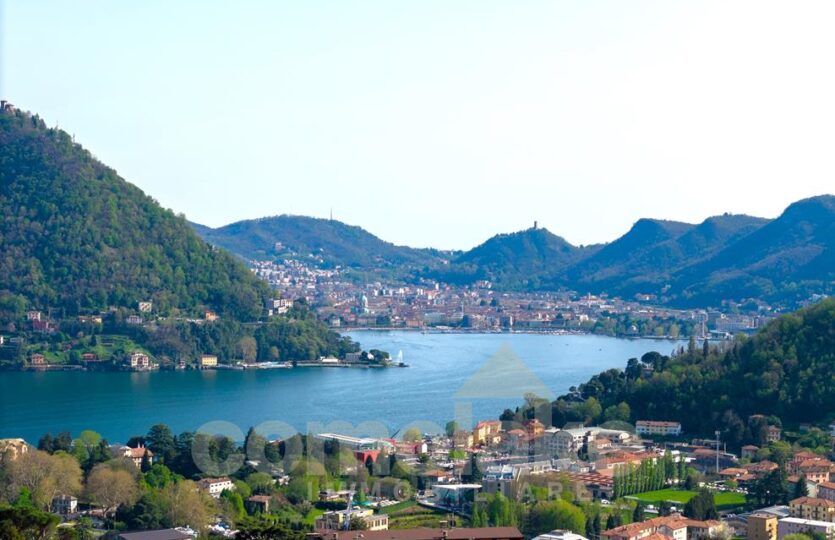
(331, 213)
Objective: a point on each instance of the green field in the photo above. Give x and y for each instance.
(723, 499)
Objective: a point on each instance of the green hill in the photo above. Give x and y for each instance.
(787, 258)
(786, 370)
(516, 260)
(324, 242)
(78, 238)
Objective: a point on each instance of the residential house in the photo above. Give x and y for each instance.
(813, 508)
(64, 505)
(136, 454)
(750, 451)
(34, 315)
(145, 307)
(463, 439)
(534, 427)
(817, 471)
(138, 361)
(257, 504)
(215, 486)
(773, 433)
(800, 457)
(133, 319)
(436, 476)
(487, 432)
(208, 361)
(659, 428)
(761, 468)
(794, 525)
(37, 360)
(762, 526)
(674, 526)
(826, 490)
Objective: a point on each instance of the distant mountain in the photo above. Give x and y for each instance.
(640, 252)
(789, 257)
(517, 259)
(326, 241)
(726, 257)
(653, 251)
(78, 238)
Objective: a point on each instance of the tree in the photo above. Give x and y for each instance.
(247, 349)
(473, 473)
(451, 428)
(546, 516)
(265, 527)
(412, 435)
(638, 513)
(187, 505)
(701, 506)
(45, 476)
(109, 487)
(145, 465)
(260, 483)
(590, 410)
(26, 524)
(160, 441)
(254, 445)
(233, 505)
(800, 488)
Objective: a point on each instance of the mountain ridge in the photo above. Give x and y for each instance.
(687, 264)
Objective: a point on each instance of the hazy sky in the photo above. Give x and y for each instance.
(441, 123)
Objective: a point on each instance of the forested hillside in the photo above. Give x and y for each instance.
(325, 242)
(82, 248)
(518, 260)
(78, 238)
(786, 370)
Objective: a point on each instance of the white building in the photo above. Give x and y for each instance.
(560, 534)
(566, 442)
(64, 505)
(793, 525)
(216, 486)
(655, 427)
(353, 443)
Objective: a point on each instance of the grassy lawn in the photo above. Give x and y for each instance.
(402, 507)
(724, 499)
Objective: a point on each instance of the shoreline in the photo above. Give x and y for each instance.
(544, 332)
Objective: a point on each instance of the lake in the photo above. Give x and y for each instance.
(467, 376)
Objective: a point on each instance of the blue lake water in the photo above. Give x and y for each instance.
(379, 401)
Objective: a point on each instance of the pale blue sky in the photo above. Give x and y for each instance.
(441, 123)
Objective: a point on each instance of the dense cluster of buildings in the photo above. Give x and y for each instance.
(344, 303)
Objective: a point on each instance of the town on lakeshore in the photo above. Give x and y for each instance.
(432, 305)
